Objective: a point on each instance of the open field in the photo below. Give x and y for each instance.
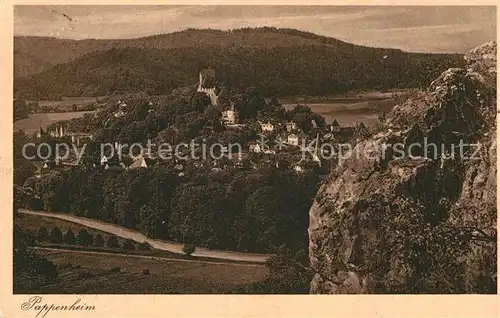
(349, 97)
(31, 124)
(68, 102)
(91, 273)
(349, 113)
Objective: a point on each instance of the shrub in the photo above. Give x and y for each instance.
(43, 234)
(85, 238)
(69, 237)
(42, 266)
(145, 246)
(129, 245)
(115, 270)
(113, 242)
(99, 240)
(29, 238)
(56, 236)
(188, 249)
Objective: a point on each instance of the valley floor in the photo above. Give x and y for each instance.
(89, 272)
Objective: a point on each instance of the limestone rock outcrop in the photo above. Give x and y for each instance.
(413, 209)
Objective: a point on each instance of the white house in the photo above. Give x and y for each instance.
(293, 139)
(57, 132)
(298, 168)
(290, 126)
(255, 148)
(139, 162)
(119, 114)
(230, 116)
(267, 127)
(270, 152)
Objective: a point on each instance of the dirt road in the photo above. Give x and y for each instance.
(157, 244)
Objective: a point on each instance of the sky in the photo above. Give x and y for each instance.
(418, 28)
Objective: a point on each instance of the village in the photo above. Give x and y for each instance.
(280, 144)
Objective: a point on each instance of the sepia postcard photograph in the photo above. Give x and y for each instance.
(249, 150)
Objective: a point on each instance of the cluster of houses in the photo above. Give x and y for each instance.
(57, 132)
(121, 109)
(256, 154)
(241, 161)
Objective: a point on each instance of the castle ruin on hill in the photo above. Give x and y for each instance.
(207, 84)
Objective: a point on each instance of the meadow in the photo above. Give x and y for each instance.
(68, 102)
(348, 113)
(33, 123)
(90, 270)
(83, 272)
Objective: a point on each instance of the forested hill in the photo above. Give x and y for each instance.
(282, 62)
(35, 54)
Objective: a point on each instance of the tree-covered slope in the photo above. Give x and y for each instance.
(278, 70)
(35, 54)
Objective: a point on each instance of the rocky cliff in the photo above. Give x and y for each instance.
(413, 209)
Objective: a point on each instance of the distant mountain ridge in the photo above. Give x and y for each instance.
(278, 61)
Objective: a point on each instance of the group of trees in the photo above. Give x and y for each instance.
(289, 273)
(27, 264)
(83, 237)
(21, 109)
(254, 211)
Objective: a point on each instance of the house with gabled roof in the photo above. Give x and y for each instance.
(230, 116)
(335, 126)
(293, 140)
(255, 147)
(139, 162)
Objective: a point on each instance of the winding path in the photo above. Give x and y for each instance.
(138, 237)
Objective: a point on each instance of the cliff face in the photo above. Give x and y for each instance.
(426, 224)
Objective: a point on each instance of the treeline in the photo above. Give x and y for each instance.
(282, 71)
(22, 108)
(255, 211)
(84, 238)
